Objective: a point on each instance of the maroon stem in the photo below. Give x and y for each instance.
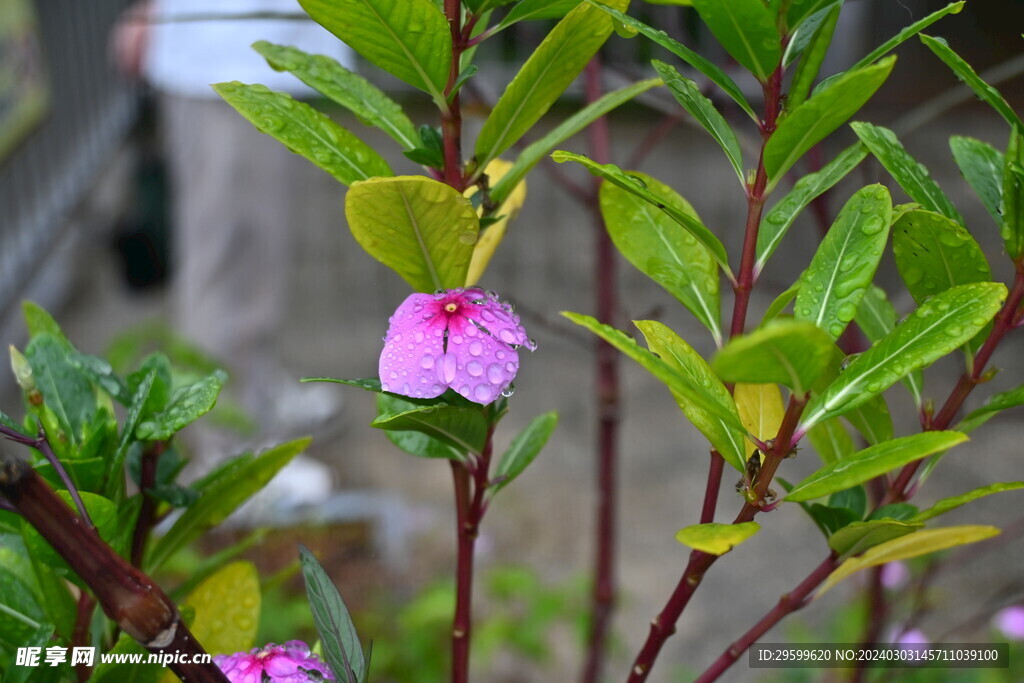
(707, 512)
(877, 613)
(1003, 324)
(788, 603)
(43, 446)
(451, 116)
(602, 600)
(663, 625)
(80, 634)
(471, 483)
(147, 513)
(127, 596)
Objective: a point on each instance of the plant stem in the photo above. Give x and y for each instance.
(714, 484)
(1003, 324)
(80, 635)
(127, 596)
(877, 612)
(451, 116)
(602, 601)
(788, 603)
(147, 513)
(471, 483)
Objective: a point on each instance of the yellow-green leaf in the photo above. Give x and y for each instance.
(905, 547)
(716, 539)
(760, 408)
(953, 502)
(491, 236)
(857, 537)
(422, 229)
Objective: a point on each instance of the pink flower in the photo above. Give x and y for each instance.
(1010, 622)
(288, 663)
(895, 574)
(466, 339)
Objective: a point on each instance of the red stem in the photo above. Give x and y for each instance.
(80, 634)
(714, 484)
(147, 513)
(451, 117)
(603, 590)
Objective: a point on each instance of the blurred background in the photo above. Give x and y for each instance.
(88, 220)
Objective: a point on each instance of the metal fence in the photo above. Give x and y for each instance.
(47, 173)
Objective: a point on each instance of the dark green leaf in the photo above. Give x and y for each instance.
(662, 249)
(524, 449)
(812, 39)
(114, 487)
(186, 405)
(797, 11)
(871, 462)
(779, 304)
(462, 428)
(872, 420)
(845, 262)
(982, 167)
(414, 442)
(709, 69)
(953, 502)
(993, 406)
(102, 375)
(703, 110)
(66, 390)
(701, 379)
(1012, 226)
(747, 30)
(966, 74)
(305, 131)
(934, 253)
(831, 440)
(87, 473)
(530, 156)
(160, 392)
(857, 537)
(39, 638)
(536, 9)
(221, 494)
(338, 634)
(809, 123)
(409, 39)
(114, 672)
(912, 176)
(901, 512)
(829, 519)
(854, 499)
(789, 352)
(630, 183)
(938, 326)
(430, 158)
(350, 90)
(103, 514)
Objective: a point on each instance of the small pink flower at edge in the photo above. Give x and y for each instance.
(466, 339)
(289, 663)
(1010, 622)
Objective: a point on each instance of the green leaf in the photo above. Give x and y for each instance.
(845, 262)
(788, 352)
(20, 612)
(965, 73)
(778, 221)
(934, 253)
(114, 479)
(462, 428)
(350, 90)
(901, 512)
(908, 33)
(800, 37)
(38, 321)
(779, 304)
(65, 389)
(221, 494)
(829, 519)
(982, 167)
(831, 440)
(872, 420)
(414, 443)
(938, 326)
(871, 462)
(524, 449)
(536, 151)
(857, 537)
(725, 430)
(809, 123)
(187, 405)
(708, 68)
(422, 229)
(912, 176)
(543, 78)
(305, 131)
(797, 11)
(876, 318)
(854, 499)
(946, 504)
(338, 634)
(409, 39)
(813, 53)
(716, 539)
(631, 183)
(918, 543)
(536, 9)
(993, 406)
(747, 30)
(701, 108)
(40, 638)
(100, 373)
(124, 672)
(1012, 225)
(662, 249)
(695, 399)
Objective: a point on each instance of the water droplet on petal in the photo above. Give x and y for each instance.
(427, 361)
(482, 392)
(475, 348)
(448, 368)
(475, 368)
(495, 373)
(509, 390)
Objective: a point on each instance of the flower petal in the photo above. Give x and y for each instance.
(413, 348)
(499, 320)
(482, 366)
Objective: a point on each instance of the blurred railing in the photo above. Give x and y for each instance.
(46, 174)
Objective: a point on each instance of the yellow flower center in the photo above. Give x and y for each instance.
(451, 307)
